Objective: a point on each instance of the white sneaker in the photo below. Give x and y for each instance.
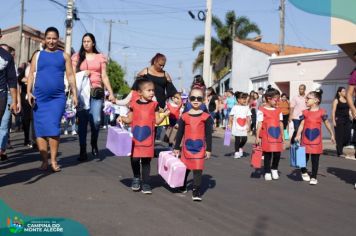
(65, 132)
(275, 174)
(355, 185)
(237, 155)
(241, 151)
(306, 177)
(104, 127)
(74, 132)
(268, 176)
(313, 181)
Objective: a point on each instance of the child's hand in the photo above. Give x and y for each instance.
(258, 141)
(207, 155)
(167, 112)
(332, 139)
(119, 120)
(229, 126)
(176, 152)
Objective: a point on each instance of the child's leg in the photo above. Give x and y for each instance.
(275, 161)
(267, 161)
(304, 169)
(186, 178)
(237, 143)
(66, 124)
(315, 165)
(197, 177)
(73, 123)
(243, 141)
(135, 164)
(146, 169)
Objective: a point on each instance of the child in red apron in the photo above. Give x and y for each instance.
(174, 106)
(270, 133)
(143, 117)
(195, 128)
(309, 133)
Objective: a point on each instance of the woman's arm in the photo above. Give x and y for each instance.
(335, 102)
(349, 98)
(106, 82)
(179, 136)
(30, 79)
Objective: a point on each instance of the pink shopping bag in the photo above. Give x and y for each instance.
(171, 169)
(119, 141)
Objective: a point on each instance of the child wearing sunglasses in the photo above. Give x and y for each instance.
(195, 128)
(309, 133)
(239, 123)
(269, 133)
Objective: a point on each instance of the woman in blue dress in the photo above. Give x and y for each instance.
(46, 94)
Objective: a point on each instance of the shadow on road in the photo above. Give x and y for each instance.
(348, 176)
(260, 226)
(295, 175)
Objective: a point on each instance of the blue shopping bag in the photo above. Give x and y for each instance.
(297, 156)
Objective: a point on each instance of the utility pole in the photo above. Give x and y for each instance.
(207, 44)
(21, 31)
(282, 11)
(69, 26)
(233, 33)
(110, 29)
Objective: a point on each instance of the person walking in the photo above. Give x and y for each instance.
(283, 104)
(341, 120)
(297, 106)
(45, 93)
(90, 60)
(212, 102)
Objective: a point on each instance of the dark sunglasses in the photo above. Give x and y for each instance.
(194, 98)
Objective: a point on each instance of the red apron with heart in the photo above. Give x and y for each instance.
(193, 145)
(134, 97)
(143, 129)
(174, 113)
(271, 134)
(311, 135)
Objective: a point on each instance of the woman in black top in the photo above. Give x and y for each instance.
(341, 120)
(212, 102)
(162, 81)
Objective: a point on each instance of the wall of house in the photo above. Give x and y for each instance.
(247, 63)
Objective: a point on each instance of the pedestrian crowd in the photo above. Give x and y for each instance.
(46, 104)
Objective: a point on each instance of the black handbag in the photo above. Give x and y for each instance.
(97, 93)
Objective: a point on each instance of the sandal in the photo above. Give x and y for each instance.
(55, 168)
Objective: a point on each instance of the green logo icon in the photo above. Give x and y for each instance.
(15, 225)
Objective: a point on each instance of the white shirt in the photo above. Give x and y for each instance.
(260, 114)
(239, 121)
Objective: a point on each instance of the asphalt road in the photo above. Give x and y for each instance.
(236, 200)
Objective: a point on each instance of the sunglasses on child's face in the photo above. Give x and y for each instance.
(194, 98)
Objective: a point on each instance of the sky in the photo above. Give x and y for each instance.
(144, 27)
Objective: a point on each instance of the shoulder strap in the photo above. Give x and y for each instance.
(147, 70)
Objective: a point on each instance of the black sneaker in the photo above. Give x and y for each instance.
(183, 189)
(146, 189)
(196, 195)
(135, 185)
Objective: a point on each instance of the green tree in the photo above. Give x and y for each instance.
(221, 45)
(116, 76)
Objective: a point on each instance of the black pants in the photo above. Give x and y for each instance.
(253, 120)
(315, 165)
(146, 168)
(296, 124)
(197, 177)
(240, 141)
(342, 135)
(275, 157)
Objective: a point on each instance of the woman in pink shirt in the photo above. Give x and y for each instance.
(94, 64)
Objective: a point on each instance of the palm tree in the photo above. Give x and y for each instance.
(222, 44)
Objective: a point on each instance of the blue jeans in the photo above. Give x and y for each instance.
(5, 124)
(93, 116)
(72, 121)
(3, 102)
